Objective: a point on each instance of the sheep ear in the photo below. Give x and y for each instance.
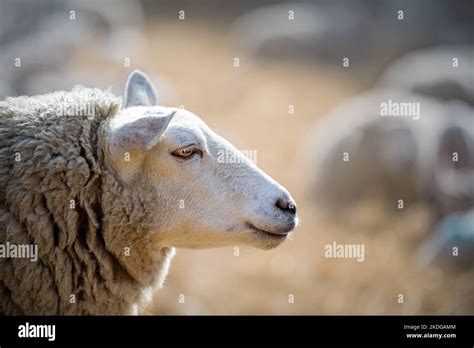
(139, 90)
(142, 133)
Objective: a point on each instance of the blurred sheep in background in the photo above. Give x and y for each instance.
(357, 151)
(425, 157)
(442, 72)
(44, 37)
(370, 33)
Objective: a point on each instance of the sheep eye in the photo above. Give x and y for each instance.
(187, 151)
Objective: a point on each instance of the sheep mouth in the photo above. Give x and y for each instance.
(263, 233)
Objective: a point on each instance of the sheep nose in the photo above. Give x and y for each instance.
(286, 204)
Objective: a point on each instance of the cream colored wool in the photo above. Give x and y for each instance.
(55, 193)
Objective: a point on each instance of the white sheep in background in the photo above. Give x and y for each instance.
(55, 31)
(367, 33)
(106, 195)
(441, 72)
(427, 155)
(357, 150)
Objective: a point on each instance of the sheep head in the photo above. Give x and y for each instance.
(196, 199)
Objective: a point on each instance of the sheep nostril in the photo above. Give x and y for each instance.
(286, 204)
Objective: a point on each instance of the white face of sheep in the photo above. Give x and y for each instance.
(201, 200)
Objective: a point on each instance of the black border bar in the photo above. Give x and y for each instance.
(261, 330)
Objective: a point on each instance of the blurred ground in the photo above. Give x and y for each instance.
(249, 106)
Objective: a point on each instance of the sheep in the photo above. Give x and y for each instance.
(452, 80)
(106, 191)
(368, 33)
(358, 150)
(54, 31)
